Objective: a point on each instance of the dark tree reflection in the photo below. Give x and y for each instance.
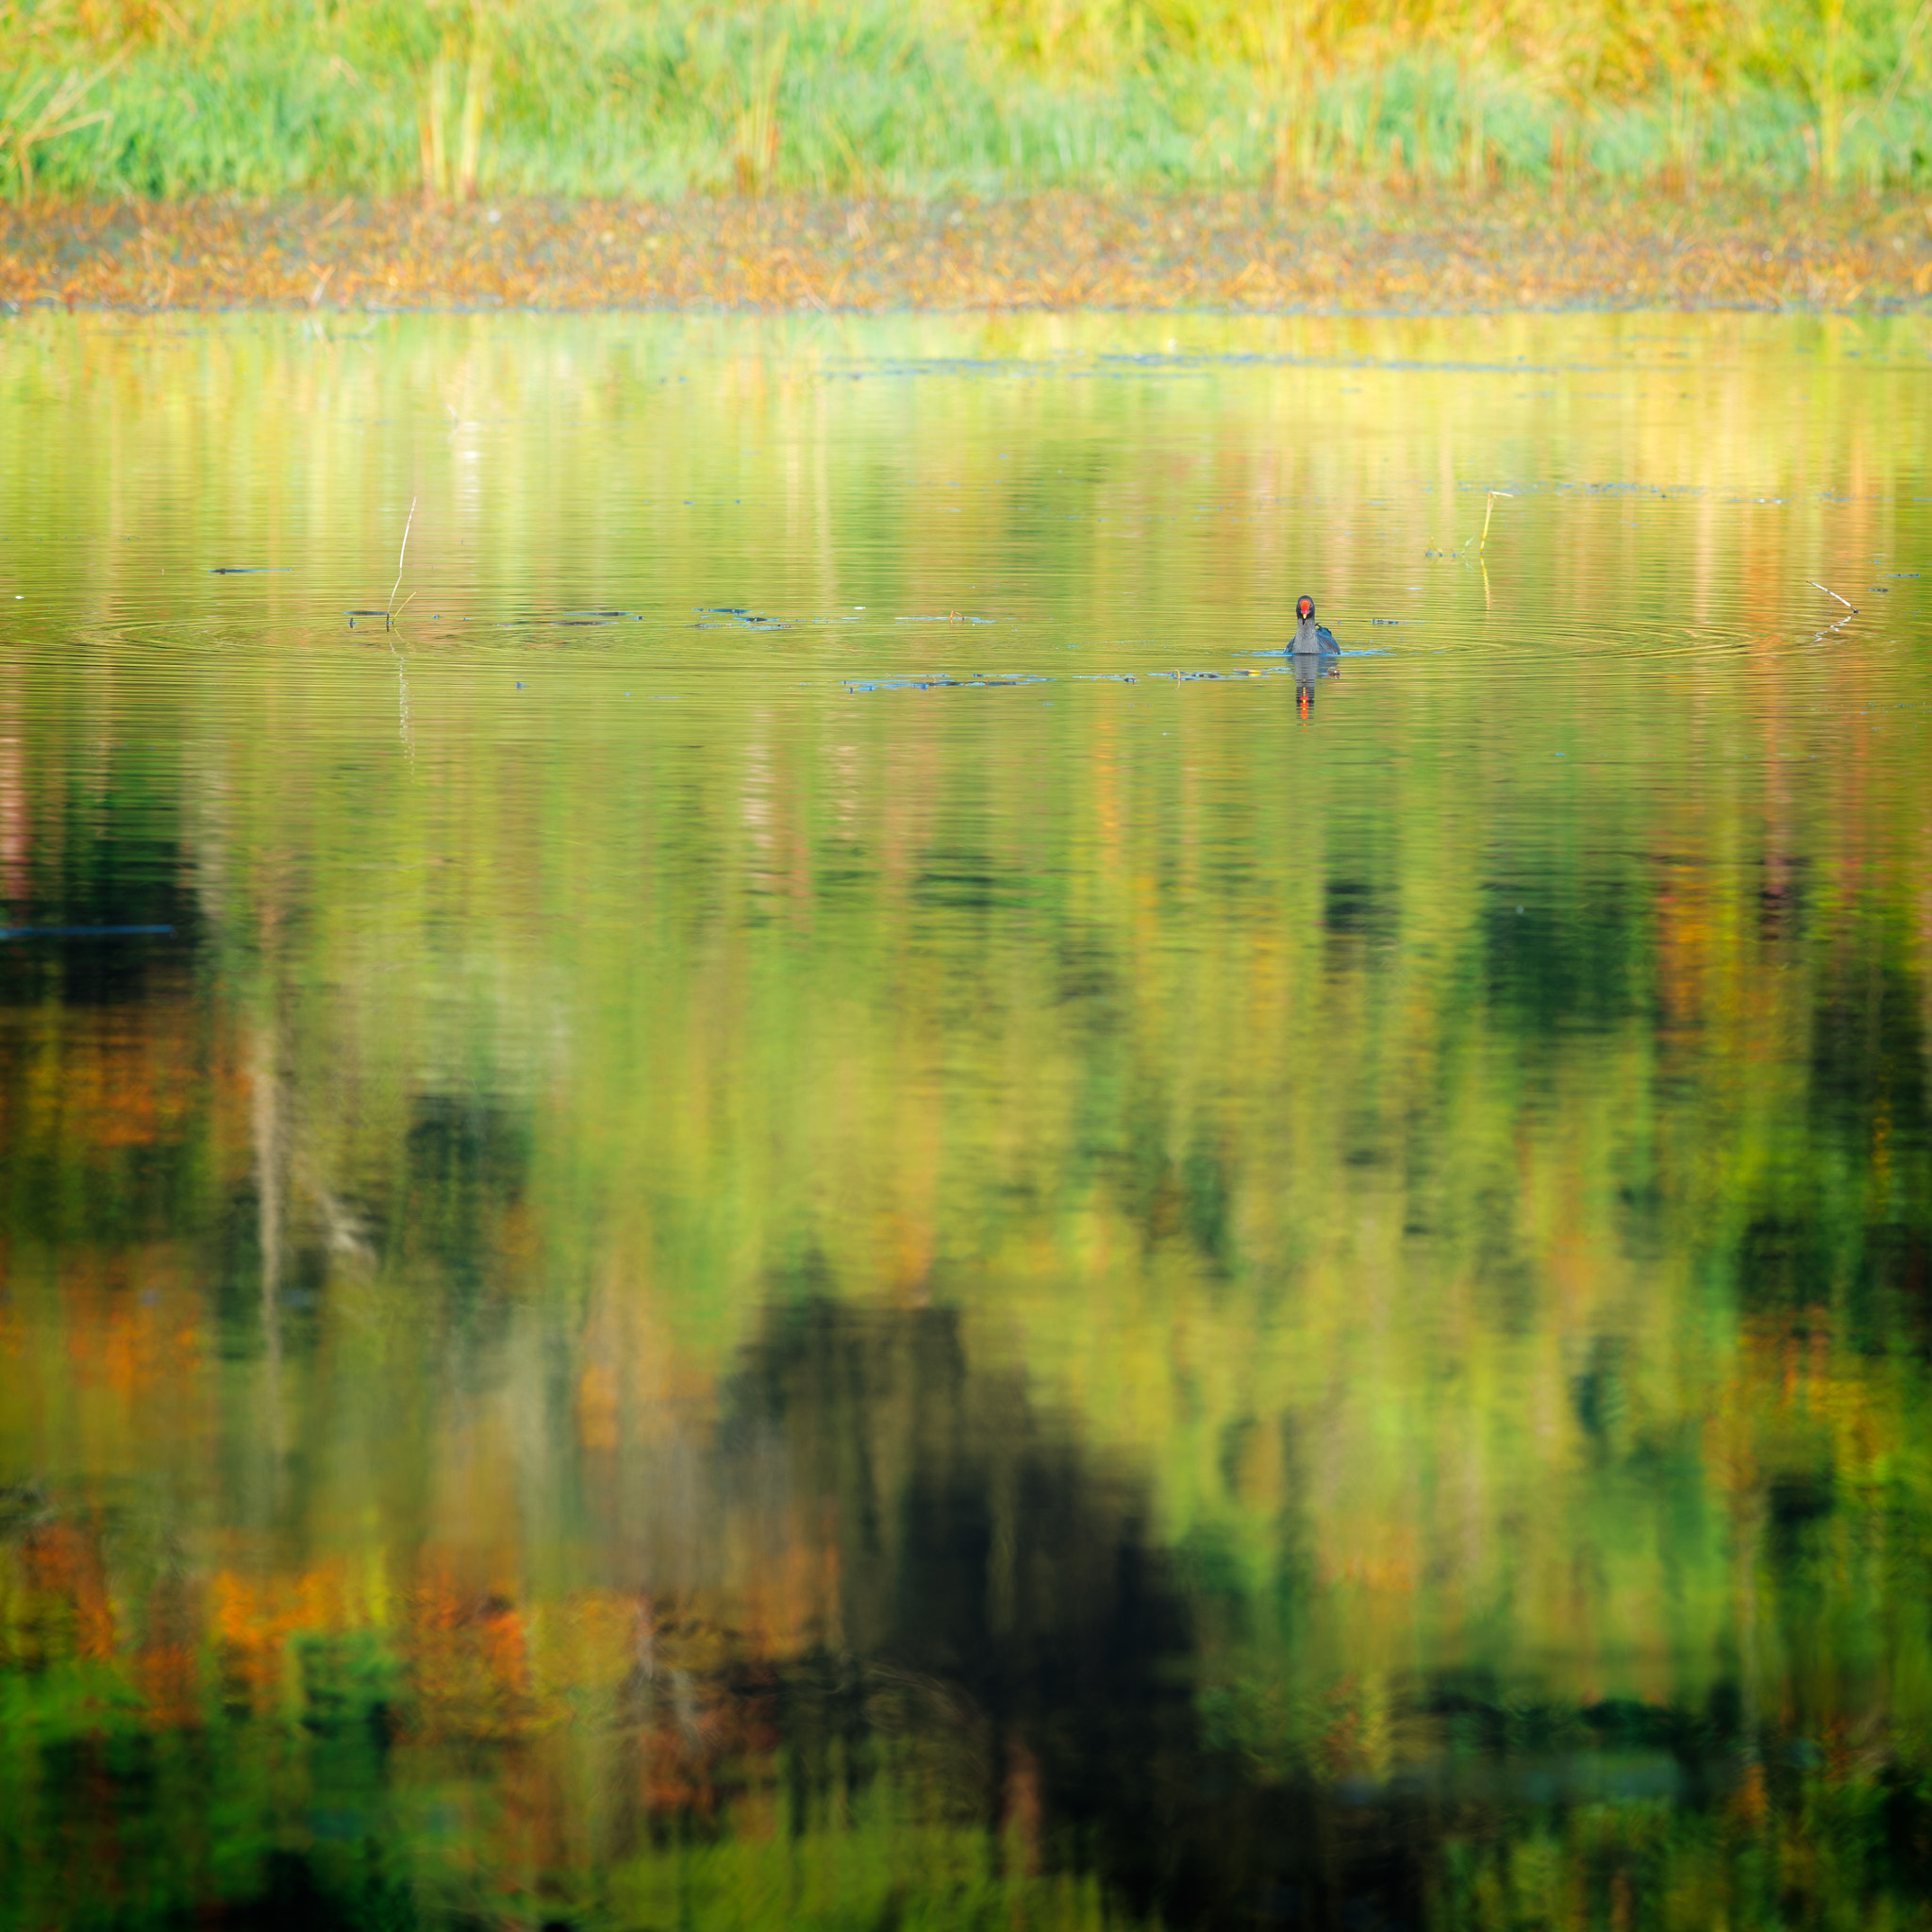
(1001, 1591)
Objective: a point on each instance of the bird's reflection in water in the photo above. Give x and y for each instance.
(1313, 652)
(1309, 666)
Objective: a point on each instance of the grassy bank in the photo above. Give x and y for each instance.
(621, 98)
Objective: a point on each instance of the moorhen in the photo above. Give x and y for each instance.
(1312, 639)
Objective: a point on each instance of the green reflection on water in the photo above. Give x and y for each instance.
(729, 1275)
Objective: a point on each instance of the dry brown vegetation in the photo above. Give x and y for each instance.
(1373, 251)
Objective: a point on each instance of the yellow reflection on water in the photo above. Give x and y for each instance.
(812, 1211)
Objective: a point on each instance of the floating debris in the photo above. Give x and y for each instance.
(1851, 610)
(250, 569)
(1209, 676)
(84, 932)
(944, 683)
(737, 618)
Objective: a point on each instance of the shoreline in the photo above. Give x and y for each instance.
(1367, 251)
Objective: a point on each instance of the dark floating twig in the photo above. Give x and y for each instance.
(251, 570)
(572, 619)
(83, 932)
(942, 683)
(738, 618)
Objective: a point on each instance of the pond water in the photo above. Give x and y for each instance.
(815, 1206)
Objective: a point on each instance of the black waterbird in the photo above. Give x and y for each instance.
(1316, 654)
(1312, 639)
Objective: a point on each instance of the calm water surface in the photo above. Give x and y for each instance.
(815, 1209)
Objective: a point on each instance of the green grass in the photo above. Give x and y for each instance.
(534, 96)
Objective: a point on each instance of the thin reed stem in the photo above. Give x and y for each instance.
(389, 615)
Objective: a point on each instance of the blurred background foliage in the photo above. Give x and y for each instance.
(171, 97)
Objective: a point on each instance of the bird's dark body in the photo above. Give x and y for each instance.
(1312, 640)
